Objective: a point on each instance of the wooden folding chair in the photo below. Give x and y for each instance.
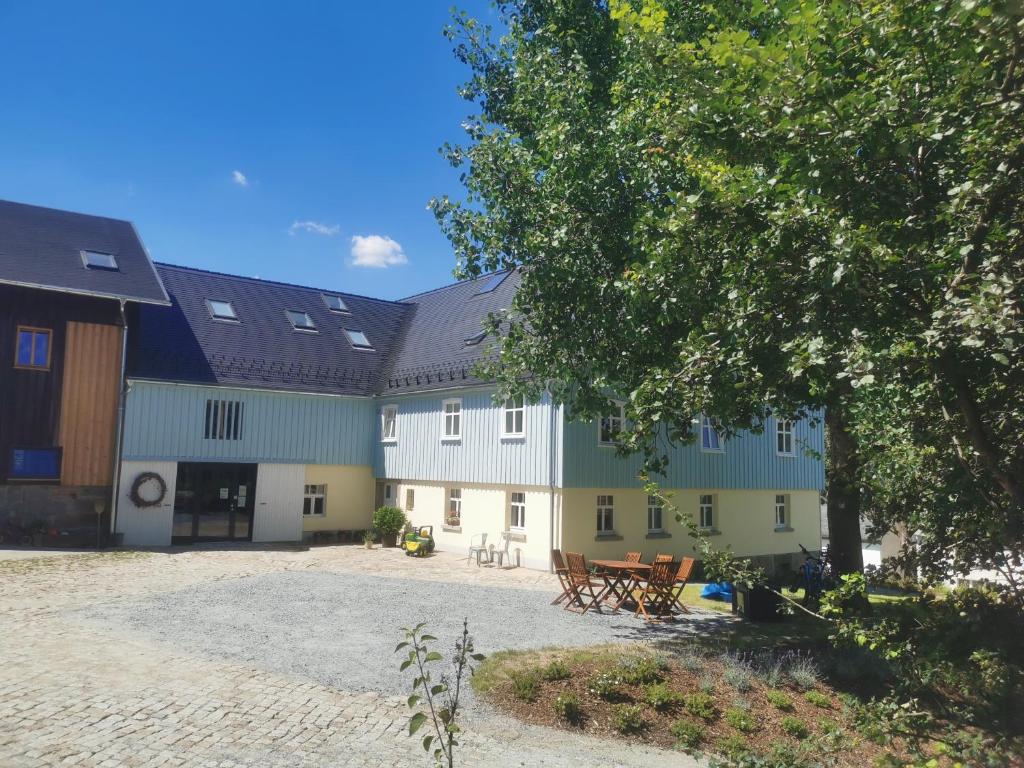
(582, 585)
(655, 602)
(563, 576)
(633, 557)
(682, 576)
(661, 558)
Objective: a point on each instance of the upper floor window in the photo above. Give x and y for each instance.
(223, 420)
(389, 423)
(334, 303)
(301, 321)
(781, 510)
(221, 310)
(605, 514)
(314, 501)
(32, 349)
(706, 519)
(654, 511)
(609, 427)
(517, 510)
(99, 260)
(710, 439)
(453, 515)
(515, 417)
(358, 339)
(452, 419)
(784, 437)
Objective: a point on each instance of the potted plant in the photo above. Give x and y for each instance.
(368, 538)
(389, 521)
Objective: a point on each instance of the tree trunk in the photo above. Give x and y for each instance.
(842, 493)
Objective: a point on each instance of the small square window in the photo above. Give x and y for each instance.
(334, 303)
(301, 321)
(221, 310)
(358, 339)
(99, 260)
(32, 349)
(314, 502)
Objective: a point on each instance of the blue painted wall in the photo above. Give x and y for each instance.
(749, 461)
(165, 421)
(481, 456)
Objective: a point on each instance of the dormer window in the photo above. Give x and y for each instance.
(301, 321)
(334, 303)
(358, 339)
(99, 260)
(221, 310)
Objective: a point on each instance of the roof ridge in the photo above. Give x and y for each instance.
(66, 210)
(456, 283)
(331, 291)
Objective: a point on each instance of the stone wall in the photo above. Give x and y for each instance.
(66, 513)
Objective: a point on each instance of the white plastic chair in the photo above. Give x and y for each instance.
(478, 547)
(501, 551)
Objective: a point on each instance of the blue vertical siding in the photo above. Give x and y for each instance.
(165, 421)
(749, 461)
(481, 456)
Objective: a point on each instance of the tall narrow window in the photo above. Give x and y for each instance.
(517, 511)
(707, 511)
(314, 501)
(410, 499)
(781, 510)
(223, 420)
(452, 419)
(710, 439)
(453, 515)
(389, 423)
(654, 510)
(610, 426)
(32, 348)
(515, 417)
(605, 514)
(784, 437)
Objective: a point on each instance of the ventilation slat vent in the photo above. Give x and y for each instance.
(223, 420)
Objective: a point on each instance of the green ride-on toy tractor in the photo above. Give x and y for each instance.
(419, 542)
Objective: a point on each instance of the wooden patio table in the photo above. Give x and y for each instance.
(619, 579)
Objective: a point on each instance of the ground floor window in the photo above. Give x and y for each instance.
(410, 499)
(605, 514)
(781, 510)
(517, 517)
(654, 510)
(314, 502)
(707, 511)
(453, 516)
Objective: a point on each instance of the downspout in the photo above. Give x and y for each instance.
(119, 434)
(552, 440)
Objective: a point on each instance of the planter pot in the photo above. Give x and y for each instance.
(368, 544)
(387, 541)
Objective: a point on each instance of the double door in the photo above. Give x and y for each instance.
(214, 502)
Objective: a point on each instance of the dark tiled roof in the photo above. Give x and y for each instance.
(42, 248)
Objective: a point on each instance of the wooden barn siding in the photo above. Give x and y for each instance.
(166, 421)
(481, 456)
(92, 369)
(749, 461)
(30, 401)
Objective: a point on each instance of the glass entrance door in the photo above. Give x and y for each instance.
(214, 502)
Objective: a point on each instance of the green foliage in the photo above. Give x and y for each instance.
(738, 674)
(779, 700)
(556, 670)
(525, 684)
(803, 671)
(641, 670)
(707, 683)
(741, 719)
(369, 536)
(629, 718)
(794, 726)
(662, 698)
(735, 747)
(389, 521)
(569, 707)
(700, 705)
(688, 734)
(818, 699)
(604, 685)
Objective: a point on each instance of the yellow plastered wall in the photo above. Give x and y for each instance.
(349, 497)
(485, 509)
(744, 521)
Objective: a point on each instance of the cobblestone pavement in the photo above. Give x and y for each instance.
(74, 693)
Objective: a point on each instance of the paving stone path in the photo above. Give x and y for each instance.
(77, 692)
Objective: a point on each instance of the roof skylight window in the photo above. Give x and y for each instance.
(334, 303)
(487, 283)
(301, 321)
(99, 260)
(358, 339)
(476, 338)
(221, 310)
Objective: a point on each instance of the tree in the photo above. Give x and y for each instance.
(747, 208)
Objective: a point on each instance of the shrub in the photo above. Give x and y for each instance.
(568, 707)
(629, 718)
(794, 726)
(803, 671)
(779, 700)
(734, 747)
(525, 684)
(641, 670)
(700, 705)
(773, 672)
(688, 734)
(389, 521)
(662, 698)
(739, 677)
(605, 686)
(818, 699)
(707, 684)
(556, 670)
(741, 719)
(691, 662)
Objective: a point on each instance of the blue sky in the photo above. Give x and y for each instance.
(217, 127)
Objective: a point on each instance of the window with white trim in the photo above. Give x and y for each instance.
(781, 510)
(314, 501)
(706, 519)
(784, 437)
(452, 419)
(515, 417)
(654, 512)
(710, 439)
(453, 515)
(610, 426)
(605, 514)
(517, 511)
(389, 423)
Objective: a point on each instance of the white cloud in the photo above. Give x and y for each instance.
(315, 228)
(376, 251)
(239, 178)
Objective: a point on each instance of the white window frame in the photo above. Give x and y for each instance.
(781, 511)
(517, 511)
(514, 407)
(620, 417)
(655, 509)
(451, 420)
(453, 499)
(605, 515)
(384, 436)
(311, 492)
(784, 435)
(707, 427)
(706, 504)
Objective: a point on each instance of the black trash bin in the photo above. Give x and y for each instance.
(757, 604)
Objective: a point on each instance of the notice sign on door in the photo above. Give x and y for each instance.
(224, 493)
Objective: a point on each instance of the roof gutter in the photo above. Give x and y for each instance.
(119, 434)
(93, 294)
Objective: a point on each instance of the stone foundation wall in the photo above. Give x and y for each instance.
(67, 513)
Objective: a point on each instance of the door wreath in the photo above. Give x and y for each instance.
(143, 478)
